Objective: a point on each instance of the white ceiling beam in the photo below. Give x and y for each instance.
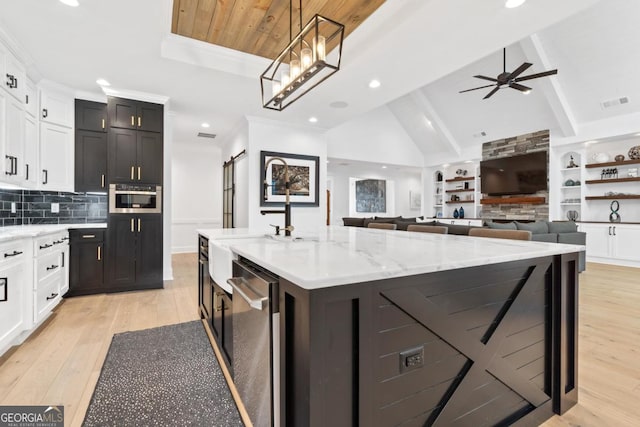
(534, 51)
(438, 124)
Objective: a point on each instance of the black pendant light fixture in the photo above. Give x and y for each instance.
(310, 58)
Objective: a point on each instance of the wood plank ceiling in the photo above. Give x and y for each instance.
(260, 27)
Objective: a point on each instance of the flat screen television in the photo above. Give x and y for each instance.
(522, 174)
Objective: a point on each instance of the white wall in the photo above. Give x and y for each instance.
(237, 142)
(267, 135)
(403, 181)
(374, 137)
(196, 199)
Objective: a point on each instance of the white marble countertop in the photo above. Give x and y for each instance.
(230, 233)
(22, 231)
(342, 255)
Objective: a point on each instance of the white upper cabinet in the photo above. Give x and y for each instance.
(13, 159)
(56, 171)
(30, 152)
(31, 99)
(56, 108)
(12, 75)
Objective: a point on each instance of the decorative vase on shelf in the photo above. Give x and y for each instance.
(600, 157)
(456, 214)
(461, 212)
(619, 158)
(634, 152)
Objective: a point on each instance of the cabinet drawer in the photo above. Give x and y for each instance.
(87, 235)
(12, 252)
(47, 296)
(48, 265)
(49, 243)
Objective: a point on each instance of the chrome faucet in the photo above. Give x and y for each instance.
(288, 228)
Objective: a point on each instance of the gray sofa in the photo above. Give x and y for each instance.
(541, 231)
(550, 231)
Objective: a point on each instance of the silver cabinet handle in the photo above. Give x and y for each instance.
(88, 236)
(99, 253)
(609, 230)
(614, 230)
(255, 300)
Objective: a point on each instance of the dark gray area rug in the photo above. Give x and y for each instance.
(167, 376)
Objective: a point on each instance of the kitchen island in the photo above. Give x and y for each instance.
(382, 328)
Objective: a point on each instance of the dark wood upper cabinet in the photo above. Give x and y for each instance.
(131, 114)
(149, 158)
(122, 155)
(91, 161)
(150, 117)
(135, 156)
(91, 116)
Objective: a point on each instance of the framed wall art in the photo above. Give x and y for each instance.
(304, 179)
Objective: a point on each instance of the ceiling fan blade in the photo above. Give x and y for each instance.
(490, 94)
(535, 76)
(519, 87)
(476, 88)
(491, 79)
(521, 69)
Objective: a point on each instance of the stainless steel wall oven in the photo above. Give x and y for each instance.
(135, 198)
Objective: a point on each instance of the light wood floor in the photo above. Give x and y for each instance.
(61, 364)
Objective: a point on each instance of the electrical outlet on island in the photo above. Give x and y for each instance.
(55, 207)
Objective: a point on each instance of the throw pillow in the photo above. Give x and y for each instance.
(353, 222)
(387, 219)
(562, 227)
(502, 226)
(538, 227)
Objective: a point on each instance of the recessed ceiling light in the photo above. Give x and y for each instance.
(637, 134)
(313, 119)
(510, 4)
(72, 3)
(374, 84)
(384, 167)
(527, 92)
(205, 125)
(445, 165)
(469, 161)
(103, 82)
(428, 122)
(591, 142)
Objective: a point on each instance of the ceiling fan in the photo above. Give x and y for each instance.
(511, 79)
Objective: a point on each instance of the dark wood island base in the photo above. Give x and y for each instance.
(488, 345)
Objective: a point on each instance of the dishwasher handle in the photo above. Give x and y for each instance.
(255, 300)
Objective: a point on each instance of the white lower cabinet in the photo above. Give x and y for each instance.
(14, 291)
(47, 296)
(50, 279)
(613, 243)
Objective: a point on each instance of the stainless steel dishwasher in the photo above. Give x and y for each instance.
(255, 341)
